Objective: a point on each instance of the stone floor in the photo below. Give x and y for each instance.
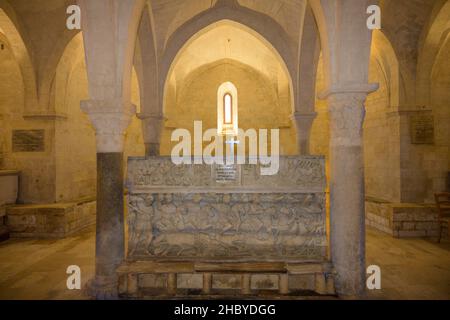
(36, 269)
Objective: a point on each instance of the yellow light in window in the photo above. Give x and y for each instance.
(228, 109)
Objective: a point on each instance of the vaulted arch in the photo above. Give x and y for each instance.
(12, 30)
(309, 53)
(259, 25)
(146, 64)
(117, 27)
(383, 51)
(433, 40)
(345, 42)
(47, 78)
(72, 55)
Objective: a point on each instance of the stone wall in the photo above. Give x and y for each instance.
(75, 147)
(402, 220)
(75, 139)
(261, 104)
(396, 169)
(66, 168)
(37, 168)
(381, 140)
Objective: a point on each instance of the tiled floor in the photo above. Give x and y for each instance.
(36, 269)
(410, 268)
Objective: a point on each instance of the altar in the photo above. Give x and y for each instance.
(225, 226)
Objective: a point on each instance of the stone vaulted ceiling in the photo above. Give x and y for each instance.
(403, 22)
(169, 15)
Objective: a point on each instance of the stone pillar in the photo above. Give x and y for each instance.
(110, 120)
(347, 194)
(152, 126)
(303, 123)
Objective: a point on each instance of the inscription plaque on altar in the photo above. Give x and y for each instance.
(28, 140)
(226, 173)
(422, 129)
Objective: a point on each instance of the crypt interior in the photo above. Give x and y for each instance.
(86, 133)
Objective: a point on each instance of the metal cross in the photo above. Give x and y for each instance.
(231, 143)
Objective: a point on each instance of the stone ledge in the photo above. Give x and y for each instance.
(402, 220)
(57, 220)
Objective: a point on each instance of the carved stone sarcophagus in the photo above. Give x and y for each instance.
(199, 212)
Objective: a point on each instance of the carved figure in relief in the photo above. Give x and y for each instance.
(223, 226)
(187, 221)
(142, 212)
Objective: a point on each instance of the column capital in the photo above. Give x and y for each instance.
(347, 113)
(348, 89)
(110, 119)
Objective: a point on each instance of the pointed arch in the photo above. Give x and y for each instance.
(49, 69)
(261, 26)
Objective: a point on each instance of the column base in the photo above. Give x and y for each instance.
(103, 288)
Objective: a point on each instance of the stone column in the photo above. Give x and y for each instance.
(347, 194)
(152, 126)
(303, 123)
(110, 120)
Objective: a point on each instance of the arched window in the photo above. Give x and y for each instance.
(227, 109)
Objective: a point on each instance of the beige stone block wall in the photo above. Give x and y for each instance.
(75, 148)
(381, 140)
(37, 168)
(261, 105)
(440, 100)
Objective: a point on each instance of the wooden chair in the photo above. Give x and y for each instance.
(443, 207)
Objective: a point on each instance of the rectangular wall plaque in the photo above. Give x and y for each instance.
(28, 140)
(226, 173)
(422, 128)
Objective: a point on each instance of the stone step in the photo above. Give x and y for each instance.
(140, 279)
(56, 220)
